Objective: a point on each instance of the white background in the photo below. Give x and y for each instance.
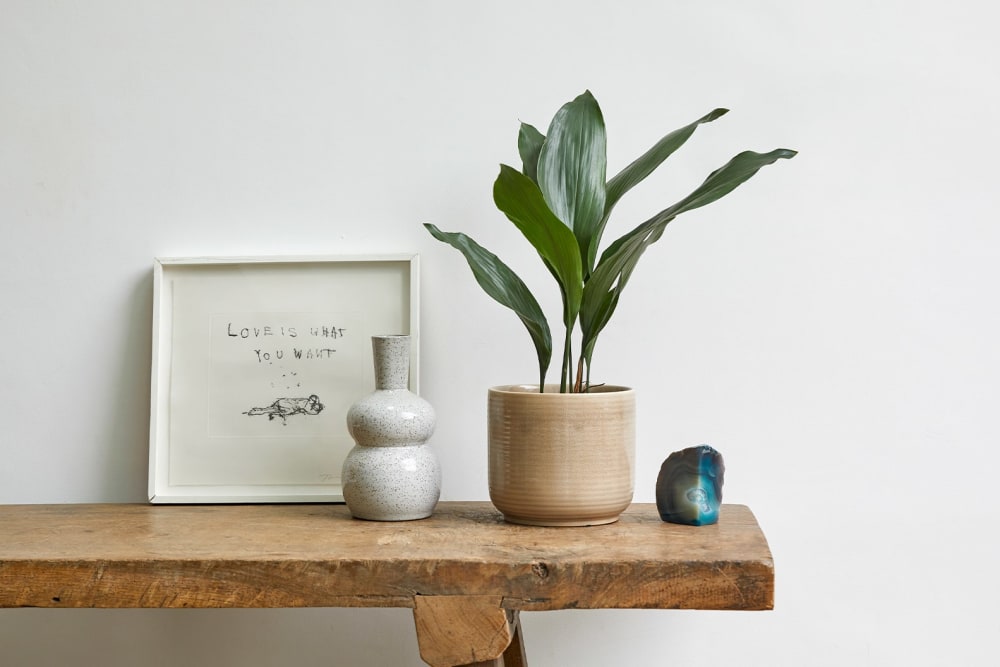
(831, 326)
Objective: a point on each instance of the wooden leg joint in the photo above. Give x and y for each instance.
(455, 630)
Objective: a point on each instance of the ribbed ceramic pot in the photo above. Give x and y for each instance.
(561, 459)
(391, 474)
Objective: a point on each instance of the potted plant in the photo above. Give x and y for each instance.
(563, 454)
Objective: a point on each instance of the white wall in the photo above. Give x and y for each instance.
(831, 327)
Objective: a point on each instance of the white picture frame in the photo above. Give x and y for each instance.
(255, 363)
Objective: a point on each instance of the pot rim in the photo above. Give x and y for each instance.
(553, 390)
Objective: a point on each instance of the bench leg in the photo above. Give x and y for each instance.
(467, 630)
(515, 656)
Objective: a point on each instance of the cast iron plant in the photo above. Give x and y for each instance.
(561, 200)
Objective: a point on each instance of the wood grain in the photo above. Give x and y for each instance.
(318, 556)
(461, 629)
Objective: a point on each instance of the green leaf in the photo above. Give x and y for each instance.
(642, 167)
(501, 283)
(604, 288)
(594, 319)
(727, 178)
(572, 168)
(529, 145)
(521, 201)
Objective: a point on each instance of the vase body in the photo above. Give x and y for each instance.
(561, 459)
(391, 474)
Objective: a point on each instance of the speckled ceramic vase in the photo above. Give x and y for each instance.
(561, 459)
(391, 474)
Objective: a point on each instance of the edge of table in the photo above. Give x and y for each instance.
(178, 556)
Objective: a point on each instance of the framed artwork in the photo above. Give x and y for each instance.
(256, 361)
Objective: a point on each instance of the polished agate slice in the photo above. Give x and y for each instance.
(689, 486)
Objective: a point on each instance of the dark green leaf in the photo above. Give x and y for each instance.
(617, 263)
(501, 283)
(602, 291)
(529, 145)
(727, 178)
(642, 167)
(521, 201)
(596, 319)
(572, 168)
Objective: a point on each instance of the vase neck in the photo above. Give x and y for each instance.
(392, 361)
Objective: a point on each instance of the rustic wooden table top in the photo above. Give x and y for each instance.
(318, 556)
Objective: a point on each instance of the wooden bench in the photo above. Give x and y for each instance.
(465, 572)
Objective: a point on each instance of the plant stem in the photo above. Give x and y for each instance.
(578, 387)
(567, 359)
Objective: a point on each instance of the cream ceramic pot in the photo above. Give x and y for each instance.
(561, 459)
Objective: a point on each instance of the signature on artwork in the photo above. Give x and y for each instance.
(286, 407)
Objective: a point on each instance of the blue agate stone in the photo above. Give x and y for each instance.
(689, 486)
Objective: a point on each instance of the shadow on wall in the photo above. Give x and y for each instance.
(126, 429)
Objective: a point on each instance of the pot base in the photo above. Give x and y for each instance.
(555, 523)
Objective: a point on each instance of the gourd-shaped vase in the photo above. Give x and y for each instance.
(391, 474)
